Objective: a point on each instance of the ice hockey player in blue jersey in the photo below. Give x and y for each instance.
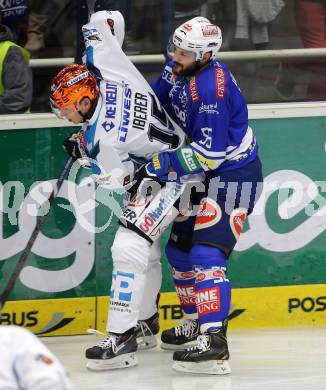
(203, 97)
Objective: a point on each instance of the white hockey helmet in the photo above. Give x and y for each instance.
(198, 35)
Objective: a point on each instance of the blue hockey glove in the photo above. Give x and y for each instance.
(161, 167)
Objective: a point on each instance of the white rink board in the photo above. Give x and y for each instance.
(256, 111)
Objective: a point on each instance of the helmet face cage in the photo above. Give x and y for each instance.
(200, 36)
(70, 86)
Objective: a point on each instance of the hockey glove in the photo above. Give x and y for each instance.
(170, 166)
(160, 166)
(74, 145)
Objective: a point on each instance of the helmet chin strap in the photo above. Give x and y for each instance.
(90, 112)
(84, 116)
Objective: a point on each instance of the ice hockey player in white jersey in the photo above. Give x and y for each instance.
(123, 117)
(123, 125)
(27, 364)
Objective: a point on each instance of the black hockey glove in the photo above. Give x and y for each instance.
(74, 145)
(141, 176)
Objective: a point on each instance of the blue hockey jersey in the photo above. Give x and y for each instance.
(212, 111)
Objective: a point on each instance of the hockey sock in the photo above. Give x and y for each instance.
(212, 288)
(183, 278)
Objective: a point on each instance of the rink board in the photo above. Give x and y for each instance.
(265, 307)
(277, 270)
(52, 317)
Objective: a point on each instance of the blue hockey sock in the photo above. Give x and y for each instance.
(212, 288)
(183, 278)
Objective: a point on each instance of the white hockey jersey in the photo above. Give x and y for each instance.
(128, 124)
(27, 364)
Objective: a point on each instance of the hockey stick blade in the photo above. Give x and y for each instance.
(24, 255)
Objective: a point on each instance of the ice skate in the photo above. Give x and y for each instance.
(116, 351)
(209, 356)
(182, 336)
(146, 331)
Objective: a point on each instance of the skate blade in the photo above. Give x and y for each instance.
(122, 361)
(146, 342)
(210, 367)
(180, 347)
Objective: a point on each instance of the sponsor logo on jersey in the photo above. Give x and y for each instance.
(209, 213)
(189, 160)
(210, 30)
(208, 109)
(147, 223)
(208, 300)
(193, 87)
(123, 129)
(107, 126)
(205, 162)
(237, 219)
(111, 91)
(168, 75)
(220, 83)
(140, 111)
(186, 295)
(156, 161)
(155, 213)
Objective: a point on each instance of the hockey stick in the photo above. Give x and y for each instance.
(24, 255)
